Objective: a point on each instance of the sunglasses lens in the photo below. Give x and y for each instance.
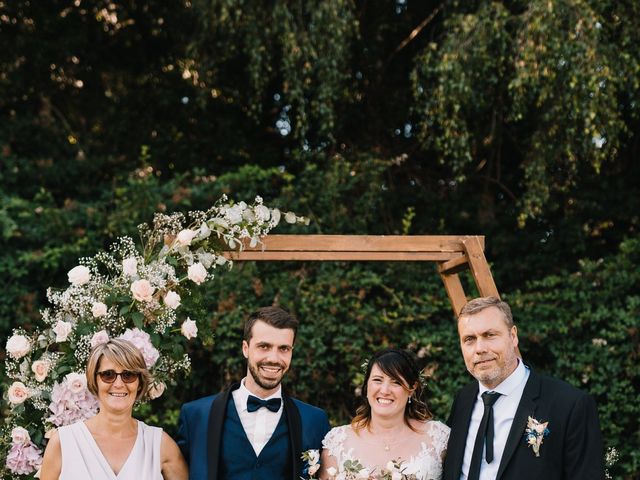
(129, 377)
(108, 376)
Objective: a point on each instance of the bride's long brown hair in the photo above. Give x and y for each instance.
(403, 368)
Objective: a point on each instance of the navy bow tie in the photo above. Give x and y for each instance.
(255, 403)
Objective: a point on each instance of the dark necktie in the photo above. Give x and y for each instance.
(484, 431)
(255, 403)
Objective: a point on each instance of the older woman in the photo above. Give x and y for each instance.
(392, 433)
(112, 444)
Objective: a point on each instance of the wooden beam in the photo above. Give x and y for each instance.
(456, 265)
(453, 287)
(327, 256)
(480, 268)
(363, 243)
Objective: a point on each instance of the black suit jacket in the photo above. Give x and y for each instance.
(572, 451)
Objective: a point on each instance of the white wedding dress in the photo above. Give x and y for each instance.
(420, 456)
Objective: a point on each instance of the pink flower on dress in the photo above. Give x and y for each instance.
(142, 341)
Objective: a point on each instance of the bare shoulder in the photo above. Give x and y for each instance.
(52, 459)
(173, 465)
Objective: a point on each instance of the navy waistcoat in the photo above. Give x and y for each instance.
(239, 461)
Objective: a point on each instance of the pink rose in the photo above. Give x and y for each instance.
(40, 369)
(189, 329)
(142, 290)
(99, 309)
(185, 237)
(79, 275)
(99, 338)
(18, 346)
(18, 393)
(172, 300)
(197, 273)
(20, 436)
(156, 390)
(62, 330)
(76, 382)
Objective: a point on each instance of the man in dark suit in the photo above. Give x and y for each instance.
(513, 423)
(253, 430)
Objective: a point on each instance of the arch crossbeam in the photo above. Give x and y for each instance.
(452, 253)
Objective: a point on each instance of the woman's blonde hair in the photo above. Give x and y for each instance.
(123, 353)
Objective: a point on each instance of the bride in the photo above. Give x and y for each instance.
(392, 434)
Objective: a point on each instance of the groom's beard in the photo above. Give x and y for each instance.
(265, 382)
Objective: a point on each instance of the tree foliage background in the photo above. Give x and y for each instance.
(515, 120)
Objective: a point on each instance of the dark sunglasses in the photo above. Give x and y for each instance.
(109, 376)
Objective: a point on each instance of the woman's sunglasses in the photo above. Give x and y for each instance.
(109, 376)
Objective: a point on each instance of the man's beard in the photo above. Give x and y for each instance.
(266, 383)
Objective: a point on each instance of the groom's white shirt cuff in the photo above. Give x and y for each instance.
(258, 425)
(504, 411)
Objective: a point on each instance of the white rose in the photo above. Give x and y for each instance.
(40, 369)
(220, 260)
(197, 273)
(79, 275)
(275, 216)
(290, 217)
(18, 393)
(99, 338)
(18, 346)
(130, 266)
(62, 330)
(314, 456)
(332, 472)
(172, 300)
(189, 329)
(142, 290)
(184, 237)
(262, 213)
(204, 231)
(76, 382)
(156, 390)
(20, 436)
(234, 214)
(99, 309)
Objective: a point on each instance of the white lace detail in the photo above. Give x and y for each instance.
(425, 465)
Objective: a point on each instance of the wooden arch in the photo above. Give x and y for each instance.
(452, 253)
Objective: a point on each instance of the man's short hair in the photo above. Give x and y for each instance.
(478, 304)
(275, 316)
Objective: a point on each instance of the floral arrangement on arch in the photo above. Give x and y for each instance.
(125, 293)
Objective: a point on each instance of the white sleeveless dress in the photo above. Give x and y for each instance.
(423, 463)
(82, 459)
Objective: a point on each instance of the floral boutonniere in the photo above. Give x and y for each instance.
(535, 433)
(312, 464)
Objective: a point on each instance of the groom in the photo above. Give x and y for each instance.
(254, 430)
(513, 423)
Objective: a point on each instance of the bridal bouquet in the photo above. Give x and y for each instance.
(125, 292)
(353, 470)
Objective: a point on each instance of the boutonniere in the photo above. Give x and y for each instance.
(312, 464)
(535, 433)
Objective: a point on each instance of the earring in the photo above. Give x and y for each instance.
(409, 399)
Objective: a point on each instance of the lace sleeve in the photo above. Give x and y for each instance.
(334, 441)
(439, 433)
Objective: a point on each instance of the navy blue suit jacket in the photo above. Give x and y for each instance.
(202, 422)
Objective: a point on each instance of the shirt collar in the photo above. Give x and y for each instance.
(509, 384)
(243, 395)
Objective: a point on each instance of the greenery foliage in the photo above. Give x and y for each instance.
(514, 120)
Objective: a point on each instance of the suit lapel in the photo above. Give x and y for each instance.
(217, 415)
(459, 422)
(294, 422)
(526, 407)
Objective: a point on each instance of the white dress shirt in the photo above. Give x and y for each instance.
(258, 425)
(504, 410)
